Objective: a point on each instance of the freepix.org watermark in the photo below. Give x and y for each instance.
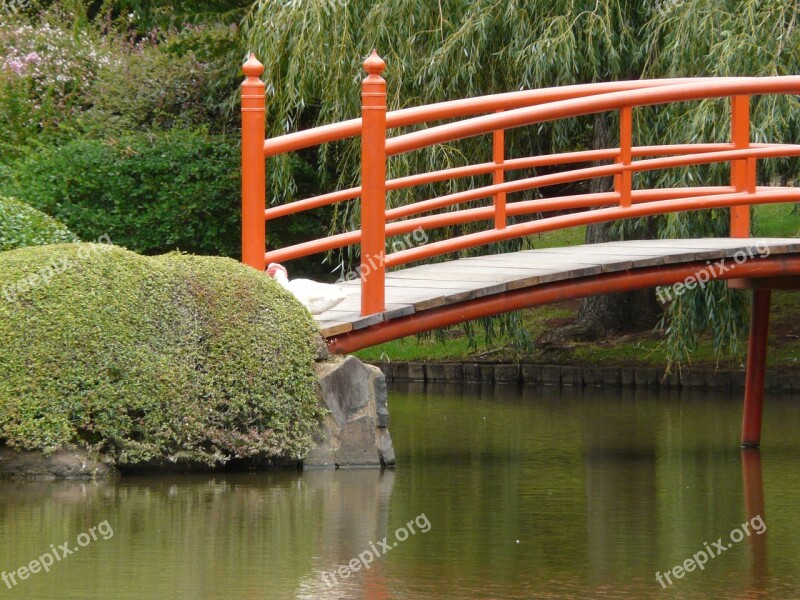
(701, 557)
(712, 271)
(59, 265)
(56, 554)
(418, 237)
(376, 550)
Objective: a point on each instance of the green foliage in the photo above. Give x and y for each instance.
(216, 46)
(724, 37)
(59, 80)
(153, 192)
(148, 360)
(145, 15)
(22, 225)
(174, 78)
(111, 135)
(150, 89)
(15, 114)
(46, 73)
(149, 193)
(313, 49)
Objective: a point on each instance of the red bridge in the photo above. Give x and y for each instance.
(388, 304)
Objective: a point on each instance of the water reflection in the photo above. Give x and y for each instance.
(754, 508)
(355, 505)
(532, 493)
(604, 488)
(239, 536)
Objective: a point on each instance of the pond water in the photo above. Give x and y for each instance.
(498, 493)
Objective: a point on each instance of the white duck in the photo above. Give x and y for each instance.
(316, 297)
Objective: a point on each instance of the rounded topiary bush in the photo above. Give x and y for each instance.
(174, 358)
(22, 225)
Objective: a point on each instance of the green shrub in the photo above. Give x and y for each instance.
(149, 193)
(158, 192)
(22, 225)
(61, 80)
(218, 48)
(149, 89)
(46, 72)
(152, 359)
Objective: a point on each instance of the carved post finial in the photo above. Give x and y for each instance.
(374, 64)
(252, 68)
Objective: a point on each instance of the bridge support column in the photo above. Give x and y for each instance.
(756, 367)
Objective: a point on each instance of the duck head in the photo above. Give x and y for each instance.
(277, 271)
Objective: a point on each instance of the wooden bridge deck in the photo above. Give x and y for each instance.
(417, 289)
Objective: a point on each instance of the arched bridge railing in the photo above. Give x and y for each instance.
(493, 115)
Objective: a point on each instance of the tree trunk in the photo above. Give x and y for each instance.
(624, 312)
(616, 313)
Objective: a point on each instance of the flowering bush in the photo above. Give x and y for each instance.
(68, 83)
(148, 90)
(46, 76)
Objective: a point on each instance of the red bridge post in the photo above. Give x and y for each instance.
(756, 367)
(623, 182)
(498, 177)
(373, 186)
(743, 172)
(254, 187)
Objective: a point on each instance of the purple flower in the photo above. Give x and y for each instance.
(16, 66)
(33, 57)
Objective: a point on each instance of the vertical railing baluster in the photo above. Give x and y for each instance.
(623, 181)
(499, 157)
(254, 185)
(743, 175)
(373, 186)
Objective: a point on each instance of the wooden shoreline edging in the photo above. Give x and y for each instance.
(572, 375)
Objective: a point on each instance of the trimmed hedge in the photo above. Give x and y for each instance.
(150, 193)
(151, 360)
(22, 225)
(154, 193)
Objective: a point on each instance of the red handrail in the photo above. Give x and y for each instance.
(408, 181)
(465, 107)
(493, 115)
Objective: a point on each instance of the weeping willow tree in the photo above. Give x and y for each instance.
(313, 50)
(712, 38)
(436, 51)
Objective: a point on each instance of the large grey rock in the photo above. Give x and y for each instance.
(63, 464)
(354, 434)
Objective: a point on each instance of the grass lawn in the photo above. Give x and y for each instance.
(646, 348)
(777, 220)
